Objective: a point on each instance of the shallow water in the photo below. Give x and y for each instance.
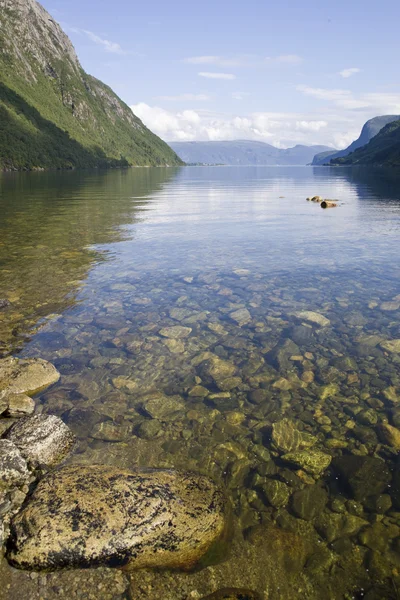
(96, 264)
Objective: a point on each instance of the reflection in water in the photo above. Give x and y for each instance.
(49, 221)
(287, 310)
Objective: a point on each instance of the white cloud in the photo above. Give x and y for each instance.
(245, 60)
(186, 98)
(240, 95)
(349, 72)
(279, 129)
(217, 75)
(385, 103)
(108, 46)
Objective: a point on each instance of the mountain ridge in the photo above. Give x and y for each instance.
(55, 115)
(243, 153)
(369, 130)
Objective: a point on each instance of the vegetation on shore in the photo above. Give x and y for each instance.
(382, 150)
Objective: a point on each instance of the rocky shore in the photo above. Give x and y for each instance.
(83, 516)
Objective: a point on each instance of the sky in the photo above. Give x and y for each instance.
(286, 73)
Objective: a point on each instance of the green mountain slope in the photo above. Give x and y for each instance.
(382, 150)
(54, 115)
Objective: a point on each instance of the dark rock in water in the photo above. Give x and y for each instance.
(233, 594)
(362, 476)
(302, 335)
(280, 355)
(309, 502)
(42, 440)
(4, 303)
(395, 488)
(80, 516)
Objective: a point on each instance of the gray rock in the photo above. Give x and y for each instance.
(13, 466)
(148, 430)
(88, 515)
(4, 303)
(43, 440)
(241, 316)
(26, 376)
(309, 502)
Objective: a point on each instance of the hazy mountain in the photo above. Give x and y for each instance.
(383, 150)
(54, 115)
(243, 153)
(370, 130)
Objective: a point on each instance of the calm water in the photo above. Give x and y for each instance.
(96, 265)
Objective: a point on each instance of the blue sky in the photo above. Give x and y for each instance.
(281, 72)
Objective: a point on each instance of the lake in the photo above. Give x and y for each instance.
(251, 319)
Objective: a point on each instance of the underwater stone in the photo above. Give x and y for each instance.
(241, 316)
(233, 594)
(176, 332)
(83, 516)
(19, 405)
(159, 406)
(309, 502)
(362, 476)
(312, 317)
(392, 346)
(288, 438)
(276, 492)
(312, 461)
(42, 439)
(389, 435)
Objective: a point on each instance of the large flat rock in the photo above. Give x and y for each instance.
(82, 516)
(26, 376)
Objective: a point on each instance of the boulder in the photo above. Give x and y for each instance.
(26, 376)
(43, 440)
(80, 516)
(158, 406)
(19, 405)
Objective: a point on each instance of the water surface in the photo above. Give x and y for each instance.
(97, 264)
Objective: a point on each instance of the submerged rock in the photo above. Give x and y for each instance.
(159, 406)
(309, 502)
(312, 461)
(390, 435)
(362, 476)
(176, 332)
(241, 316)
(288, 438)
(313, 317)
(26, 376)
(19, 405)
(392, 346)
(82, 516)
(43, 440)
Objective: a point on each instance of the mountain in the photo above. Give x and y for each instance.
(243, 153)
(382, 151)
(370, 130)
(54, 115)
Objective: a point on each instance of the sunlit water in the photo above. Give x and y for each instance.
(96, 264)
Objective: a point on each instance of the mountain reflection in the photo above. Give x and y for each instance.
(48, 226)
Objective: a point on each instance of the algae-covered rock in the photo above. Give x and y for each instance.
(13, 466)
(312, 461)
(333, 526)
(89, 515)
(19, 405)
(288, 438)
(26, 376)
(390, 435)
(43, 440)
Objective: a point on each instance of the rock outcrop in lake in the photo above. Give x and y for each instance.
(84, 516)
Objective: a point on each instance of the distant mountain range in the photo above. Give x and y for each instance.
(369, 131)
(383, 150)
(244, 153)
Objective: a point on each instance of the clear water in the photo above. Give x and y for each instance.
(96, 264)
